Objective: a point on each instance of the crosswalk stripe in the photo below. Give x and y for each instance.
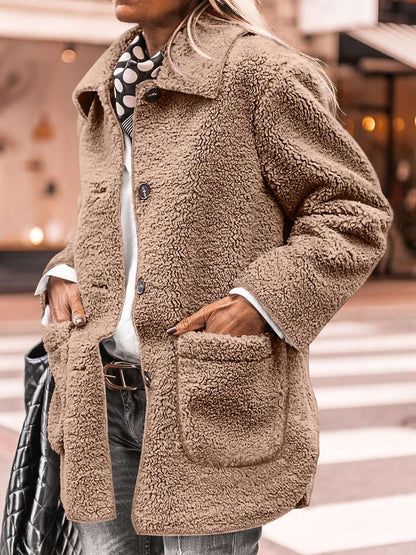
(12, 420)
(348, 329)
(11, 388)
(18, 344)
(359, 444)
(366, 344)
(321, 367)
(341, 526)
(335, 397)
(10, 363)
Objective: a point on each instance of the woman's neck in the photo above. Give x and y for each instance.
(157, 35)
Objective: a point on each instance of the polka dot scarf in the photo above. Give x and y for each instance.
(134, 65)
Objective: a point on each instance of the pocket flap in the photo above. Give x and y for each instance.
(203, 345)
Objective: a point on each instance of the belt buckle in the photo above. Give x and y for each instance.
(119, 365)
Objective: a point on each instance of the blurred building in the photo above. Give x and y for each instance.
(46, 47)
(369, 47)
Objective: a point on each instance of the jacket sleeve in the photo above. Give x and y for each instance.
(329, 191)
(247, 295)
(66, 255)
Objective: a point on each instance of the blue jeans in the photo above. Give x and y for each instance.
(126, 414)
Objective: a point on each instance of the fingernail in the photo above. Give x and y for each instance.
(172, 330)
(79, 320)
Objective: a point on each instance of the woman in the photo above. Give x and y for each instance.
(209, 252)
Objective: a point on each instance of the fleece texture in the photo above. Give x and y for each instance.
(253, 183)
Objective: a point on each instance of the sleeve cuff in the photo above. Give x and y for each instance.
(46, 316)
(63, 271)
(252, 299)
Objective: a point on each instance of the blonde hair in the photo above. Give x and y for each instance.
(247, 14)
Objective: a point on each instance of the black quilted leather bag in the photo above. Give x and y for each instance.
(34, 521)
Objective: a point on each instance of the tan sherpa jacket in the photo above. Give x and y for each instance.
(253, 183)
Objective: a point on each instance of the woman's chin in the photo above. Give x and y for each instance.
(126, 13)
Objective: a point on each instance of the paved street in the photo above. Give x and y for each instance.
(363, 370)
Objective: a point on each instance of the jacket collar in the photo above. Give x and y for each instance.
(204, 75)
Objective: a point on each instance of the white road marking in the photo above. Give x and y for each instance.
(13, 388)
(348, 329)
(343, 526)
(364, 364)
(338, 397)
(12, 420)
(359, 444)
(12, 363)
(16, 344)
(365, 344)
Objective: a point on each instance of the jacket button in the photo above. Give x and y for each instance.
(153, 94)
(140, 286)
(147, 378)
(144, 191)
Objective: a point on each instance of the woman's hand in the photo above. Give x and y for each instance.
(65, 301)
(232, 314)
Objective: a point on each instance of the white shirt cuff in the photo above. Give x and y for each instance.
(252, 299)
(63, 271)
(46, 316)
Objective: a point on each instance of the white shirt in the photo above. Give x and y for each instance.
(123, 343)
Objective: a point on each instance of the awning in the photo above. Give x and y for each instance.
(87, 21)
(395, 40)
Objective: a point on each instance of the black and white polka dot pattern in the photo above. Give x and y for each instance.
(133, 66)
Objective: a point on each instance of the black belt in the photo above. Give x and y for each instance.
(121, 374)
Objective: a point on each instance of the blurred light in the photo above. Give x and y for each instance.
(54, 232)
(33, 165)
(403, 170)
(414, 121)
(69, 54)
(399, 124)
(36, 235)
(43, 129)
(382, 124)
(368, 123)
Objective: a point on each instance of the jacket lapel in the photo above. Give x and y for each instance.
(202, 75)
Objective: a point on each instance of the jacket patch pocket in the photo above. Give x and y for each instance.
(55, 339)
(231, 408)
